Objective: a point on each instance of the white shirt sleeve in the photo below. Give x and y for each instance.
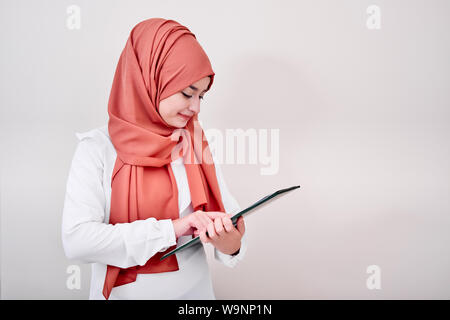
(231, 207)
(86, 236)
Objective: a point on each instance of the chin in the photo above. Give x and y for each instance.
(179, 124)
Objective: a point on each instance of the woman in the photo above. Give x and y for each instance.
(145, 183)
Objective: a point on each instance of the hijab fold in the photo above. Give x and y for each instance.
(161, 57)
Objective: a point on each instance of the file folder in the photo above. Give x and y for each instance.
(264, 201)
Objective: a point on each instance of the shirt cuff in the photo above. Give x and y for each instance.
(166, 227)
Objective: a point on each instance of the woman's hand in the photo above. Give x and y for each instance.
(223, 235)
(195, 222)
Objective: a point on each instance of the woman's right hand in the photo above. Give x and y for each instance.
(195, 222)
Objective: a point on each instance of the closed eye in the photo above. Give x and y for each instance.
(188, 96)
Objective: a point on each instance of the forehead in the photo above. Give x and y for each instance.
(200, 85)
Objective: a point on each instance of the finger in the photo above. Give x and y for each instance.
(190, 230)
(227, 223)
(198, 223)
(211, 231)
(203, 237)
(205, 221)
(241, 225)
(214, 214)
(220, 230)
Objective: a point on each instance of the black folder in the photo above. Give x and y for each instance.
(234, 218)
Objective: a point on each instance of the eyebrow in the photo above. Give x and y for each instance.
(195, 88)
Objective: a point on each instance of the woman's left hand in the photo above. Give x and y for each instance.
(223, 235)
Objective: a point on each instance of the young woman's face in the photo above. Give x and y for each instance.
(180, 107)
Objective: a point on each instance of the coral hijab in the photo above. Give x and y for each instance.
(160, 58)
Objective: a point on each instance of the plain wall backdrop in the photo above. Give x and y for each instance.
(363, 117)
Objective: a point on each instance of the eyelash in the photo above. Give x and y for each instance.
(188, 96)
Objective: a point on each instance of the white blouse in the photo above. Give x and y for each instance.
(88, 237)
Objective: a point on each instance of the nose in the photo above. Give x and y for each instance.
(195, 105)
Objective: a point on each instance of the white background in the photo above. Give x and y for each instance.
(364, 129)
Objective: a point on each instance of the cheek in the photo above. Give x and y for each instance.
(179, 107)
(165, 109)
(173, 106)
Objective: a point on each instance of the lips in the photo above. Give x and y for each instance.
(184, 117)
